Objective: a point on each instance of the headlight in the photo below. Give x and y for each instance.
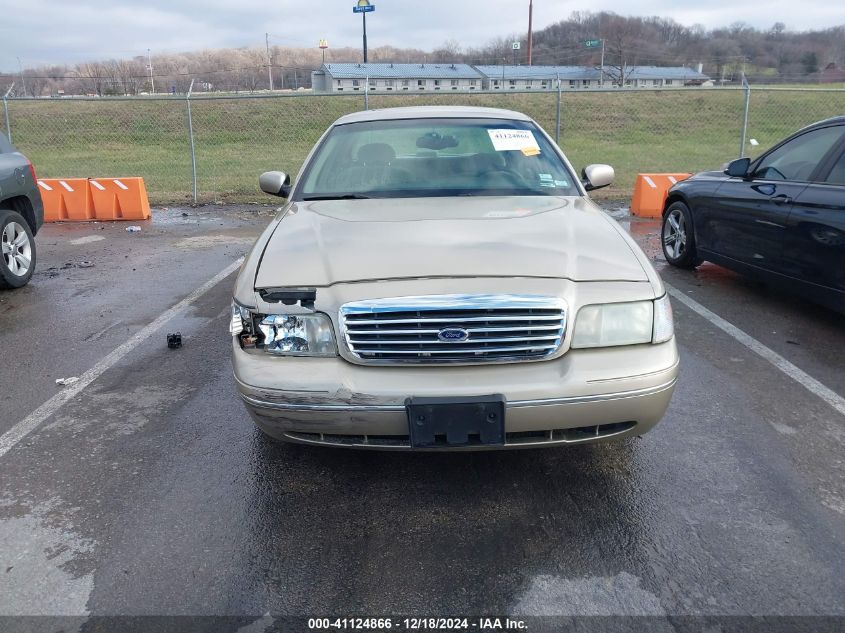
(241, 320)
(633, 323)
(297, 334)
(612, 324)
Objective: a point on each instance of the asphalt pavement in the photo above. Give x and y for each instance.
(148, 492)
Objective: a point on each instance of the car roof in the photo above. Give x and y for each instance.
(432, 112)
(831, 121)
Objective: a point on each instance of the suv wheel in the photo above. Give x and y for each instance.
(17, 250)
(677, 237)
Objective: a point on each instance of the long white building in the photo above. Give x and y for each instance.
(351, 77)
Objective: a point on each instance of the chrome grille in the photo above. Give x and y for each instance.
(411, 329)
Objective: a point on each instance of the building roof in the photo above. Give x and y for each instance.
(432, 112)
(665, 72)
(401, 71)
(465, 71)
(538, 72)
(588, 72)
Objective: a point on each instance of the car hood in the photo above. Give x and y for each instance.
(325, 242)
(711, 175)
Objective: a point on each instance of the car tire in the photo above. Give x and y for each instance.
(678, 238)
(17, 250)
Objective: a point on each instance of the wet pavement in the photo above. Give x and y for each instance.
(151, 493)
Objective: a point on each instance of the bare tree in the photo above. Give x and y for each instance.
(621, 37)
(92, 75)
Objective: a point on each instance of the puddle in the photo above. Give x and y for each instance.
(594, 596)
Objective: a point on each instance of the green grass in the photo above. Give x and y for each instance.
(237, 139)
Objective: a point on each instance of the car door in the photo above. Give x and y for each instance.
(747, 217)
(11, 170)
(814, 245)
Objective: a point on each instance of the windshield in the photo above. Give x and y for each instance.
(410, 158)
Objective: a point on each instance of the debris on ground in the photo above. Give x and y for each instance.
(85, 263)
(64, 382)
(174, 340)
(133, 229)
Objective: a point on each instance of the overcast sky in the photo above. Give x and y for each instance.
(58, 31)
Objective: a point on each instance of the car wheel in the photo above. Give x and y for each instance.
(17, 250)
(677, 237)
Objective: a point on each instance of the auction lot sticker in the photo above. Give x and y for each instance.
(518, 140)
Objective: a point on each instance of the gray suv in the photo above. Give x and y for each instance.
(21, 215)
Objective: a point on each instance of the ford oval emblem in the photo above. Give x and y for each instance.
(453, 335)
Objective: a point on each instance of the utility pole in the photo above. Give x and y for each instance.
(530, 29)
(20, 72)
(269, 60)
(601, 76)
(150, 66)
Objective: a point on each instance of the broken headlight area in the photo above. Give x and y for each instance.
(284, 334)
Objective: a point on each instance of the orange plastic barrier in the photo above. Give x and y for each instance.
(120, 198)
(650, 193)
(81, 199)
(66, 199)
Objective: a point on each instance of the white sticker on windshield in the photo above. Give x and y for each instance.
(510, 140)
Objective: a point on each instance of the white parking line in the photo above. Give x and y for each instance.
(23, 428)
(798, 375)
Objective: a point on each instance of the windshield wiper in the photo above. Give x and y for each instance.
(338, 196)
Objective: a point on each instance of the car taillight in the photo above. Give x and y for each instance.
(32, 171)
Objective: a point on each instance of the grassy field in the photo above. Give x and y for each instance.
(236, 139)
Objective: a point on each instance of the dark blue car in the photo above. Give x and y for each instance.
(779, 218)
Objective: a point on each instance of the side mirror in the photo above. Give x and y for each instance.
(276, 183)
(738, 168)
(597, 176)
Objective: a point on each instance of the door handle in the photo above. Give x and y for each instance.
(782, 199)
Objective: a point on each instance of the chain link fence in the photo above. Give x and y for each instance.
(232, 139)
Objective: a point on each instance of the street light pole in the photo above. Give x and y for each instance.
(150, 66)
(20, 72)
(364, 17)
(269, 60)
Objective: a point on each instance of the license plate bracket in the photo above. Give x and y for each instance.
(461, 421)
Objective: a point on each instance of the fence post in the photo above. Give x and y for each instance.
(191, 136)
(747, 87)
(6, 111)
(367, 93)
(557, 123)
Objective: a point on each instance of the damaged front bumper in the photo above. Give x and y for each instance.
(582, 396)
